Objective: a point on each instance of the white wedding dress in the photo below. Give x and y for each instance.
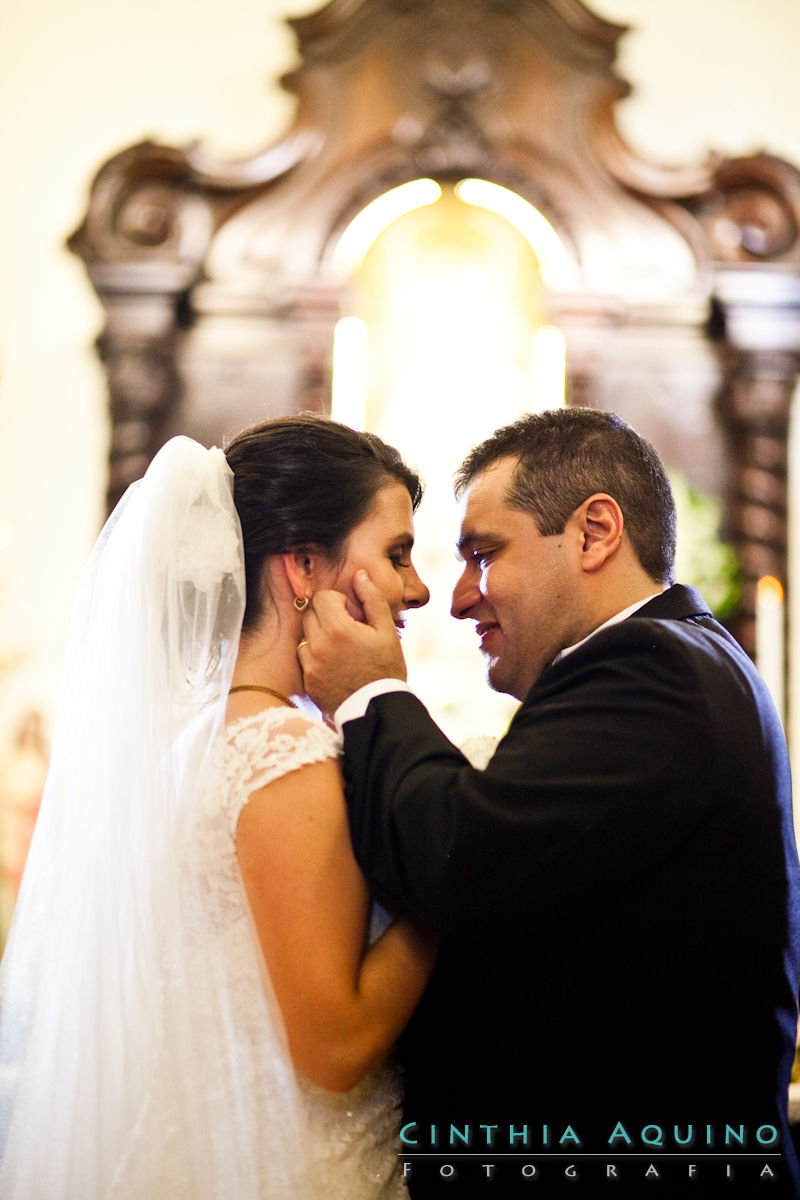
(351, 1140)
(142, 1052)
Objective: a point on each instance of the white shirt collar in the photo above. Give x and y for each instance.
(620, 616)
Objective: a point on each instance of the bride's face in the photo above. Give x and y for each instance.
(381, 545)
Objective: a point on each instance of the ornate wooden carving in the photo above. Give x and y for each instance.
(680, 301)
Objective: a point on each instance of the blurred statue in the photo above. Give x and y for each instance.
(22, 774)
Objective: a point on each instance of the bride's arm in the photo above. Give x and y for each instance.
(343, 1004)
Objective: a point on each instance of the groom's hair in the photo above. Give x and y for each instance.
(563, 456)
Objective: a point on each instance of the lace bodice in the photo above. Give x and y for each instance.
(261, 748)
(351, 1138)
(343, 1147)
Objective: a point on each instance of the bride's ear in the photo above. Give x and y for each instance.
(301, 570)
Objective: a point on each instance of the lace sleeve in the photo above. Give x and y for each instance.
(261, 748)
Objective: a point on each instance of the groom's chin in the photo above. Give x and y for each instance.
(494, 676)
(499, 681)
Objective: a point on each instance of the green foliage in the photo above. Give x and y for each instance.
(703, 560)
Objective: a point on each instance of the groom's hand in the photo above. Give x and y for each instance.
(339, 654)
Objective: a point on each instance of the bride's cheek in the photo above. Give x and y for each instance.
(354, 609)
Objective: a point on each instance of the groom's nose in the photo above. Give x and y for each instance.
(466, 594)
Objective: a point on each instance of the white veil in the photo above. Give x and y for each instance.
(134, 1059)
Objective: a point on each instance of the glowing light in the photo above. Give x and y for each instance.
(769, 592)
(453, 299)
(372, 220)
(548, 375)
(349, 383)
(770, 648)
(538, 232)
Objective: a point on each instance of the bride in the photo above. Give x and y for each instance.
(198, 998)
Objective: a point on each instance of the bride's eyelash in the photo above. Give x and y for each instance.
(397, 559)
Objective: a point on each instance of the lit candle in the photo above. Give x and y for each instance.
(770, 652)
(349, 384)
(549, 368)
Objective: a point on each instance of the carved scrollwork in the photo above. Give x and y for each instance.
(456, 83)
(156, 216)
(749, 211)
(753, 212)
(154, 203)
(730, 210)
(143, 208)
(214, 273)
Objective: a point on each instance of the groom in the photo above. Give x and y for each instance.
(618, 892)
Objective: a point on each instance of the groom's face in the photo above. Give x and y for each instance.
(517, 586)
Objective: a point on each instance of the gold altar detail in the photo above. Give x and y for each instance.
(678, 295)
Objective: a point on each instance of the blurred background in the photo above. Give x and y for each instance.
(80, 82)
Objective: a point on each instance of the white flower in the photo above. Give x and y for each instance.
(479, 750)
(209, 548)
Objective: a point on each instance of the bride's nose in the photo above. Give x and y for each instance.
(415, 593)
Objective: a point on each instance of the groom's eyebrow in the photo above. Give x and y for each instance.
(468, 539)
(471, 538)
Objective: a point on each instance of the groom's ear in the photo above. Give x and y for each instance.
(600, 523)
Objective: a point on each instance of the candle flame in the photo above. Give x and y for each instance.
(769, 592)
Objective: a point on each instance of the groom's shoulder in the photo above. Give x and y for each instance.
(389, 707)
(637, 656)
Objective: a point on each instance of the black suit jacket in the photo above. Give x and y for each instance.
(619, 898)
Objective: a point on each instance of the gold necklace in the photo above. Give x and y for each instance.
(258, 687)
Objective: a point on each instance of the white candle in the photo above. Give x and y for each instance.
(349, 383)
(793, 523)
(770, 645)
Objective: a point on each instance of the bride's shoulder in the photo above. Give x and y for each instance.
(264, 745)
(277, 721)
(267, 745)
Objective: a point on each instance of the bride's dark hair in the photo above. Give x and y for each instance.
(306, 482)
